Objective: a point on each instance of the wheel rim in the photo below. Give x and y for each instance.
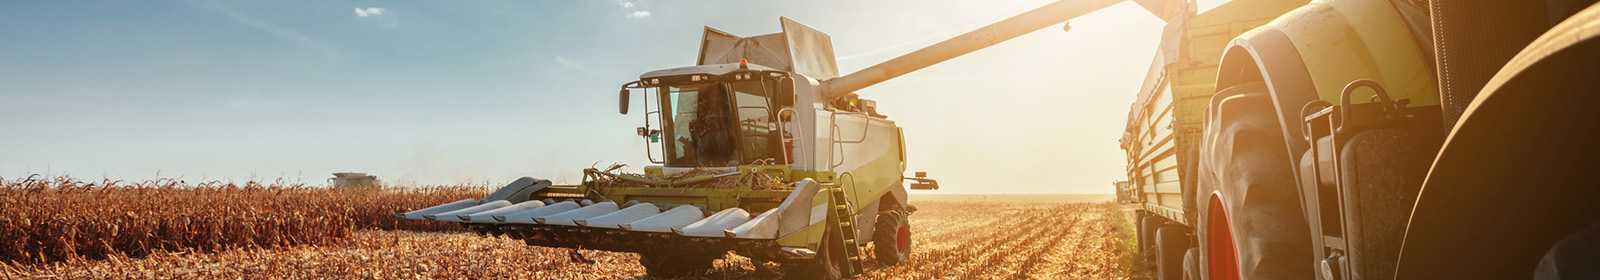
(833, 256)
(1224, 261)
(903, 240)
(833, 260)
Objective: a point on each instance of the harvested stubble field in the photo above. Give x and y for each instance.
(953, 241)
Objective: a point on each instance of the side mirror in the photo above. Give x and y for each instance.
(786, 92)
(622, 101)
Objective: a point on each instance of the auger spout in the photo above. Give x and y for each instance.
(983, 37)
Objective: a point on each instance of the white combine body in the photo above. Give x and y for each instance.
(761, 149)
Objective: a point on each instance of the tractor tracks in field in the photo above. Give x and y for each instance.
(1010, 245)
(932, 263)
(955, 222)
(1092, 253)
(1031, 262)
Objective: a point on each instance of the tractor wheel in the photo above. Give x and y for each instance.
(1171, 245)
(892, 238)
(675, 264)
(1251, 226)
(827, 265)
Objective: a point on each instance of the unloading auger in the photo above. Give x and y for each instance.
(761, 149)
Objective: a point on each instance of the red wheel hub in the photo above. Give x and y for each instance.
(903, 240)
(1222, 255)
(834, 256)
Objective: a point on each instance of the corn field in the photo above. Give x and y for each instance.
(952, 241)
(45, 220)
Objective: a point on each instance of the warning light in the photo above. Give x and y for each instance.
(744, 64)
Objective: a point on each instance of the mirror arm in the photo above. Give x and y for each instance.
(622, 98)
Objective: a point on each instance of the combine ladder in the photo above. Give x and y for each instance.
(844, 220)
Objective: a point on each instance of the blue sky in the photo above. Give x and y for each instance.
(446, 92)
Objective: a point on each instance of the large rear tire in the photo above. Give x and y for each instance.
(891, 238)
(1252, 226)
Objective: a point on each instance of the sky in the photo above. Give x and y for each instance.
(441, 92)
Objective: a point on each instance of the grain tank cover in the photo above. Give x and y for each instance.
(713, 70)
(798, 49)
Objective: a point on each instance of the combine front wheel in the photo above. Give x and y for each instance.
(827, 265)
(892, 238)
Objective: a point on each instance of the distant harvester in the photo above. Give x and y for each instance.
(354, 180)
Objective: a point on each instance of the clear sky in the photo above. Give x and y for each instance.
(458, 91)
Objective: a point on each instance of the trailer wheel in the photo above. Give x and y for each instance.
(1171, 246)
(827, 265)
(676, 264)
(891, 240)
(1147, 231)
(1252, 227)
(1191, 264)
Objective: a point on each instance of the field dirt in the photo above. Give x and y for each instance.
(952, 241)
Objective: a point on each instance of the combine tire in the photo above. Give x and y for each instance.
(892, 238)
(827, 265)
(1171, 245)
(675, 264)
(1252, 226)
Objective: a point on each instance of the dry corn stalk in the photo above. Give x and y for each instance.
(55, 219)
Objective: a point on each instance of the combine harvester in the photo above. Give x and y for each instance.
(1274, 139)
(758, 158)
(767, 152)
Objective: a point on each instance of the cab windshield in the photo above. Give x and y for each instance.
(719, 124)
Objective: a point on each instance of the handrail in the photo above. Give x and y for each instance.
(649, 152)
(782, 132)
(865, 126)
(833, 125)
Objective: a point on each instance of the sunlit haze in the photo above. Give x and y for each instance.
(423, 92)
